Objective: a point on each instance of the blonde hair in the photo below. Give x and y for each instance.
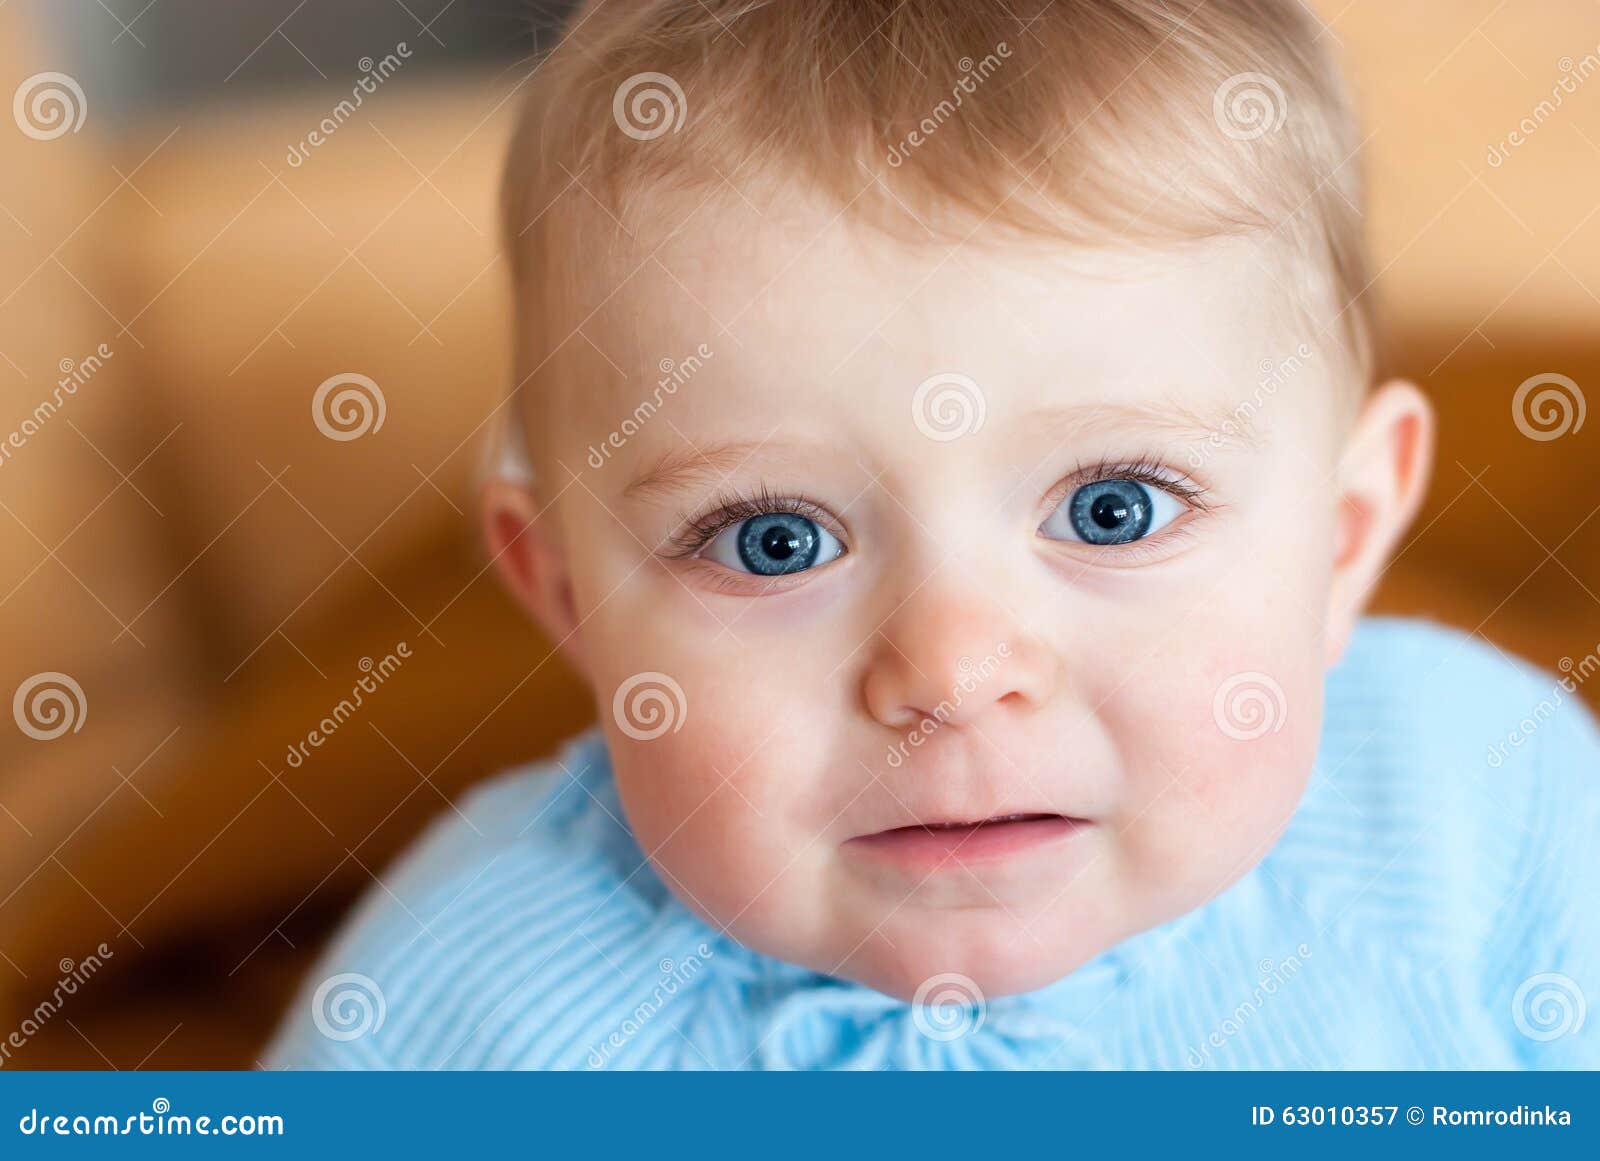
(1097, 122)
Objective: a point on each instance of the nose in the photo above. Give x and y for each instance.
(954, 657)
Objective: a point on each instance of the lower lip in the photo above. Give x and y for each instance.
(929, 848)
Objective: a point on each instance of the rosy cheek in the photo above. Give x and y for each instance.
(665, 779)
(1248, 788)
(698, 828)
(1258, 727)
(703, 775)
(1215, 758)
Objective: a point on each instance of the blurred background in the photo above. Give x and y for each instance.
(203, 551)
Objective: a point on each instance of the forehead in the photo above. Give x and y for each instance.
(815, 321)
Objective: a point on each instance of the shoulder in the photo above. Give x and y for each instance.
(1449, 773)
(1474, 730)
(1435, 673)
(521, 930)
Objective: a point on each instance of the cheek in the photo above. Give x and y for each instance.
(736, 726)
(757, 707)
(1202, 810)
(678, 782)
(719, 827)
(690, 817)
(1218, 740)
(1222, 743)
(733, 801)
(719, 800)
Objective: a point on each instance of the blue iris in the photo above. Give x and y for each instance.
(1111, 511)
(778, 543)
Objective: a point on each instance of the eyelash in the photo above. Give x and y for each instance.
(1142, 470)
(730, 508)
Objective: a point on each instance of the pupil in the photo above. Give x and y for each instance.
(1109, 512)
(779, 544)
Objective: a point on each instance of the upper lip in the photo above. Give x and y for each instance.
(943, 820)
(952, 790)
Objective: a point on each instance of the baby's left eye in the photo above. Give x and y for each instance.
(773, 544)
(1109, 512)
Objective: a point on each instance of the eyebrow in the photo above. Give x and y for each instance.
(684, 467)
(1173, 419)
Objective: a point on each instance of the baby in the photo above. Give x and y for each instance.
(958, 470)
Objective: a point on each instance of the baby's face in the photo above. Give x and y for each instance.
(984, 634)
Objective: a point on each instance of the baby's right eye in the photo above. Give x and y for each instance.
(773, 544)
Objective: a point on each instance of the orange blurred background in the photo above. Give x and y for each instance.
(213, 572)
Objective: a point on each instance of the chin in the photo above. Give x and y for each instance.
(991, 950)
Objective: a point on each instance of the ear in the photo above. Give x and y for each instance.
(1382, 478)
(526, 550)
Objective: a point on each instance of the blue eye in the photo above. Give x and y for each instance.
(1109, 512)
(773, 544)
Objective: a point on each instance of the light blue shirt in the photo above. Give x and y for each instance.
(1432, 904)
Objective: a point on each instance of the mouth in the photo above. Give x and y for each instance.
(930, 845)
